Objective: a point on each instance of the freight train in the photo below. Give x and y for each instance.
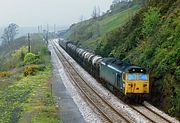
(130, 81)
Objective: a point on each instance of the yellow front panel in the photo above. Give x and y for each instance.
(137, 86)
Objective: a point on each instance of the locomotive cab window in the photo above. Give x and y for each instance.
(142, 76)
(132, 76)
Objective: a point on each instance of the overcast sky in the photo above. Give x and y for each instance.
(37, 12)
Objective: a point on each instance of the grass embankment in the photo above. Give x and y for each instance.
(151, 40)
(25, 93)
(28, 99)
(88, 32)
(114, 21)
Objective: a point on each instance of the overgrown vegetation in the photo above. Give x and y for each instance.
(86, 32)
(25, 86)
(27, 99)
(149, 39)
(38, 47)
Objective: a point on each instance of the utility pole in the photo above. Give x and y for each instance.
(54, 30)
(29, 43)
(41, 29)
(38, 28)
(47, 35)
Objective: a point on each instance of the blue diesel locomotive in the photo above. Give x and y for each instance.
(126, 79)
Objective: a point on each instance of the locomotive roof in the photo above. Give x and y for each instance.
(122, 66)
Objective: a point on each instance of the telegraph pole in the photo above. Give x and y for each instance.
(47, 35)
(38, 29)
(54, 30)
(29, 43)
(41, 29)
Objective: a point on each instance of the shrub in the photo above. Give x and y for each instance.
(4, 74)
(177, 73)
(30, 70)
(41, 67)
(31, 58)
(151, 21)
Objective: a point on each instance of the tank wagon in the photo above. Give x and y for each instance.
(128, 80)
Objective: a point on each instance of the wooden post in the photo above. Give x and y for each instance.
(29, 43)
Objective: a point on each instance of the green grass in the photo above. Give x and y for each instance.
(7, 81)
(28, 99)
(117, 20)
(90, 44)
(87, 32)
(110, 23)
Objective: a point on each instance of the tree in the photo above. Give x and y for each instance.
(9, 35)
(96, 12)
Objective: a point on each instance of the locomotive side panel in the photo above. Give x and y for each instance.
(112, 76)
(107, 74)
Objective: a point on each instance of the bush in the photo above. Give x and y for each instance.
(30, 70)
(177, 73)
(31, 58)
(4, 74)
(151, 20)
(41, 67)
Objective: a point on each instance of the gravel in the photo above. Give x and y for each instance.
(87, 113)
(112, 99)
(121, 106)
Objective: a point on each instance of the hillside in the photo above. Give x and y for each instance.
(150, 39)
(86, 33)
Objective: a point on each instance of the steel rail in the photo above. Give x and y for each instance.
(84, 92)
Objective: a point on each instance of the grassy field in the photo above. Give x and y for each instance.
(117, 20)
(87, 32)
(27, 99)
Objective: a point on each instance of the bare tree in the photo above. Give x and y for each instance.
(96, 12)
(94, 16)
(9, 35)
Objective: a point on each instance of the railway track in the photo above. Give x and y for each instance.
(159, 113)
(102, 105)
(149, 114)
(109, 113)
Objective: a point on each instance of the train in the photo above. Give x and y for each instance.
(129, 81)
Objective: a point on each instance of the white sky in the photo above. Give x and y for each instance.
(37, 12)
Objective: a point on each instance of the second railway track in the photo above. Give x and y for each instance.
(151, 115)
(106, 109)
